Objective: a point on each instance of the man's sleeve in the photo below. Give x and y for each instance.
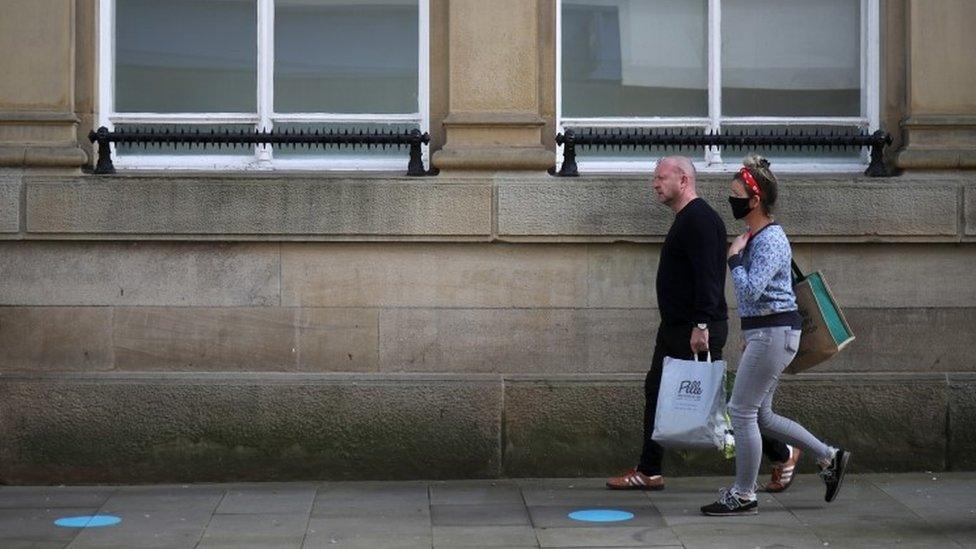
(704, 247)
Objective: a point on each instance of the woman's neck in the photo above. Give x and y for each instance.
(756, 220)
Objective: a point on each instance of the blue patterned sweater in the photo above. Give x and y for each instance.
(761, 274)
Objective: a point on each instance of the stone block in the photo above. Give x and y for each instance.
(39, 76)
(433, 275)
(898, 276)
(245, 339)
(939, 341)
(338, 340)
(903, 414)
(157, 428)
(970, 210)
(39, 339)
(522, 341)
(961, 451)
(501, 78)
(852, 206)
(626, 206)
(861, 208)
(10, 187)
(565, 207)
(907, 340)
(622, 275)
(572, 427)
(130, 274)
(241, 205)
(591, 426)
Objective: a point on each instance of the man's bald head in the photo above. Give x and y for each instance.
(684, 165)
(674, 181)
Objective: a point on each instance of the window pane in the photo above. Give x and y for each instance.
(186, 56)
(345, 56)
(781, 155)
(634, 58)
(287, 151)
(185, 149)
(791, 58)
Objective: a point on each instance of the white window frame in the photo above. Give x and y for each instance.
(264, 117)
(711, 160)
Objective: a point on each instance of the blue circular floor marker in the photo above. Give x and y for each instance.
(92, 521)
(601, 515)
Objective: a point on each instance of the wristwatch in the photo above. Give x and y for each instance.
(701, 326)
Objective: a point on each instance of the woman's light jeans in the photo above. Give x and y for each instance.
(768, 352)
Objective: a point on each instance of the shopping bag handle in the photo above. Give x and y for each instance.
(695, 355)
(797, 274)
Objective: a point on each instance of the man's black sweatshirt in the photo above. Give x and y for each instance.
(691, 273)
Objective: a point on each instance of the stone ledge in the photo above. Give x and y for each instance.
(370, 207)
(225, 427)
(595, 205)
(44, 156)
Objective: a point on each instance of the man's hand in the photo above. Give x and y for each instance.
(699, 340)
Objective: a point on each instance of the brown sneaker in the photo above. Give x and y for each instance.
(783, 472)
(635, 480)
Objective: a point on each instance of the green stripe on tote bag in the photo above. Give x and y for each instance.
(825, 330)
(839, 329)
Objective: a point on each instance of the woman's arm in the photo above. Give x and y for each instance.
(767, 255)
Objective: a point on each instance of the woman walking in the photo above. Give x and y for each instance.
(759, 261)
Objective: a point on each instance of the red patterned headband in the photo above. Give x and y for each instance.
(750, 182)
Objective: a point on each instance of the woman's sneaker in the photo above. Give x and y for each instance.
(833, 474)
(729, 504)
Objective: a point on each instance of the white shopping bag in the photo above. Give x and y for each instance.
(691, 405)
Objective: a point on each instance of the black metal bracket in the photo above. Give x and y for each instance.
(677, 138)
(413, 139)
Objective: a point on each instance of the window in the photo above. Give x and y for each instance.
(719, 65)
(301, 65)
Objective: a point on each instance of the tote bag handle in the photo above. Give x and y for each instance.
(797, 274)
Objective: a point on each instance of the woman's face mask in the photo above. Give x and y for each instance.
(740, 206)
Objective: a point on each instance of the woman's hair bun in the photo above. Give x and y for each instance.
(755, 161)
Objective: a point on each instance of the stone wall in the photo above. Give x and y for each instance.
(177, 328)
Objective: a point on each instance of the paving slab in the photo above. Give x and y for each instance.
(475, 493)
(172, 528)
(608, 536)
(863, 515)
(31, 526)
(281, 499)
(45, 497)
(367, 533)
(164, 497)
(557, 516)
(484, 536)
(271, 531)
(505, 514)
(946, 502)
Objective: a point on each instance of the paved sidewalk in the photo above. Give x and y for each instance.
(909, 510)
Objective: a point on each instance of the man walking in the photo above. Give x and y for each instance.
(694, 316)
